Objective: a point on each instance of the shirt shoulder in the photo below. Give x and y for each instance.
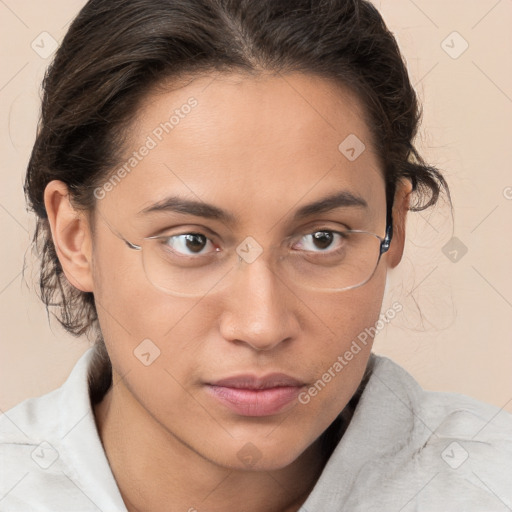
(51, 456)
(410, 449)
(445, 412)
(457, 451)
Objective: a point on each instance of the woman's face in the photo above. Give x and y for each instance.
(258, 149)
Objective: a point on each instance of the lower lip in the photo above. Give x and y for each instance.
(255, 402)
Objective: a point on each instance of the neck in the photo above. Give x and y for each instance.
(155, 470)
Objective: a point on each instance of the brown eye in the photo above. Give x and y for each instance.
(195, 242)
(188, 243)
(323, 239)
(320, 241)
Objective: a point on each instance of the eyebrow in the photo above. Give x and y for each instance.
(178, 204)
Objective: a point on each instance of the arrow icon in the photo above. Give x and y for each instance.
(455, 250)
(249, 454)
(249, 249)
(454, 45)
(352, 147)
(44, 455)
(454, 455)
(146, 352)
(44, 45)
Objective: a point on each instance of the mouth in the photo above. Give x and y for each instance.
(248, 395)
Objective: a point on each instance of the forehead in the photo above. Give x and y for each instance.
(240, 140)
(274, 111)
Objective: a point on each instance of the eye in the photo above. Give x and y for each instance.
(322, 241)
(189, 244)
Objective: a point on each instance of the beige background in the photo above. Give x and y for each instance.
(461, 341)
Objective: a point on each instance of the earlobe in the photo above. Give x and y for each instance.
(71, 236)
(400, 209)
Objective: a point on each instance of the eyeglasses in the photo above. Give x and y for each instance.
(190, 264)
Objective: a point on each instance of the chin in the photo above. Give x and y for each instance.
(261, 453)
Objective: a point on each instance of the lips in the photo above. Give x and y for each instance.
(273, 380)
(249, 395)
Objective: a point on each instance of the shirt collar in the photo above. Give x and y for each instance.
(383, 423)
(78, 436)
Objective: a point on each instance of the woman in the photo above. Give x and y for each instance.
(221, 187)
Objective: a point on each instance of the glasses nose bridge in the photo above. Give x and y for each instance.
(250, 253)
(250, 250)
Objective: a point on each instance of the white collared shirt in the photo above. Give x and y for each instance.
(404, 450)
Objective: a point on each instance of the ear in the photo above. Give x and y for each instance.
(401, 205)
(71, 236)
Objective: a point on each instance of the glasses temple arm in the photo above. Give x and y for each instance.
(390, 196)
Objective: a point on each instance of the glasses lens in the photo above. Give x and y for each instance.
(350, 263)
(177, 274)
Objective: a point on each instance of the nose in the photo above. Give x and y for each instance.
(259, 309)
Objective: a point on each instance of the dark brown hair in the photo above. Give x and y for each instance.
(116, 50)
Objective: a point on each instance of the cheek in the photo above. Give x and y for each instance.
(346, 315)
(340, 356)
(135, 317)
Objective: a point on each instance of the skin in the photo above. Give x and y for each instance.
(258, 147)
